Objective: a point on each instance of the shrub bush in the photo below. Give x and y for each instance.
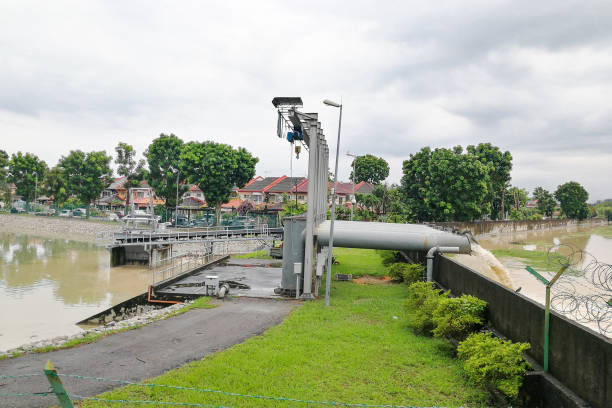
(388, 257)
(493, 362)
(423, 299)
(408, 273)
(457, 317)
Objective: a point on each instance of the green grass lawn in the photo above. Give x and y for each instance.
(358, 350)
(536, 259)
(359, 262)
(253, 255)
(604, 231)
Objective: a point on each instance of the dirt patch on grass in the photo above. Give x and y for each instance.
(373, 280)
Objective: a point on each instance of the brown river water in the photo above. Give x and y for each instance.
(46, 285)
(573, 289)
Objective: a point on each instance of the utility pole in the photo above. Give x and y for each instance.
(176, 204)
(36, 187)
(333, 207)
(354, 156)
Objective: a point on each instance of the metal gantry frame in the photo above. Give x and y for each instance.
(318, 172)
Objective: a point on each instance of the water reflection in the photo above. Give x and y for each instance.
(53, 283)
(542, 240)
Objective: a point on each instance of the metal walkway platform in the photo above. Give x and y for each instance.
(163, 237)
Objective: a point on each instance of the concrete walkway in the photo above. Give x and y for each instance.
(143, 353)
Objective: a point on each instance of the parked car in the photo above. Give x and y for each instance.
(79, 212)
(65, 213)
(181, 221)
(205, 221)
(241, 223)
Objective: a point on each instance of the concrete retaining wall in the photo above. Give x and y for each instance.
(498, 227)
(579, 358)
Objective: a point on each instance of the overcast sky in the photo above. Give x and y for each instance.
(534, 78)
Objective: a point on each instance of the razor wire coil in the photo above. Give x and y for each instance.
(584, 291)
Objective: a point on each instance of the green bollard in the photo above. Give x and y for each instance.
(58, 387)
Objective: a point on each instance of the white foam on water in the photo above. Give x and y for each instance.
(484, 262)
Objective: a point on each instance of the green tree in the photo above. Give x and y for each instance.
(395, 210)
(369, 168)
(55, 185)
(460, 182)
(164, 159)
(127, 166)
(4, 164)
(445, 185)
(546, 201)
(500, 165)
(24, 171)
(517, 196)
(5, 190)
(217, 168)
(572, 197)
(291, 208)
(381, 192)
(415, 183)
(370, 201)
(86, 174)
(386, 203)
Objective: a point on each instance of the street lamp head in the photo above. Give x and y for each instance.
(331, 103)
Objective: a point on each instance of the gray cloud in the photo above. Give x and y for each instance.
(530, 78)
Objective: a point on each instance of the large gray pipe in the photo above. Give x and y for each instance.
(382, 235)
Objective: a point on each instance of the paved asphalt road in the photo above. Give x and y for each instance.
(145, 352)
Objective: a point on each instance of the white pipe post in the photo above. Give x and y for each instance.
(430, 257)
(333, 216)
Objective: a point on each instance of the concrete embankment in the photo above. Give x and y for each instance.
(500, 227)
(57, 227)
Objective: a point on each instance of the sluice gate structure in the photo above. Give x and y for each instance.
(150, 247)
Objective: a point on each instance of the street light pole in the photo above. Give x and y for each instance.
(35, 187)
(176, 204)
(354, 156)
(333, 208)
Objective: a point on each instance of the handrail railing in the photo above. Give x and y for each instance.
(179, 264)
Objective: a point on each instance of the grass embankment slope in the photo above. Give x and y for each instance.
(255, 255)
(539, 258)
(357, 351)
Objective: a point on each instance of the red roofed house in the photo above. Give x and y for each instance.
(345, 191)
(115, 195)
(283, 186)
(231, 205)
(269, 189)
(301, 191)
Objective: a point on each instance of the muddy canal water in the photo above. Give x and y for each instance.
(503, 257)
(46, 285)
